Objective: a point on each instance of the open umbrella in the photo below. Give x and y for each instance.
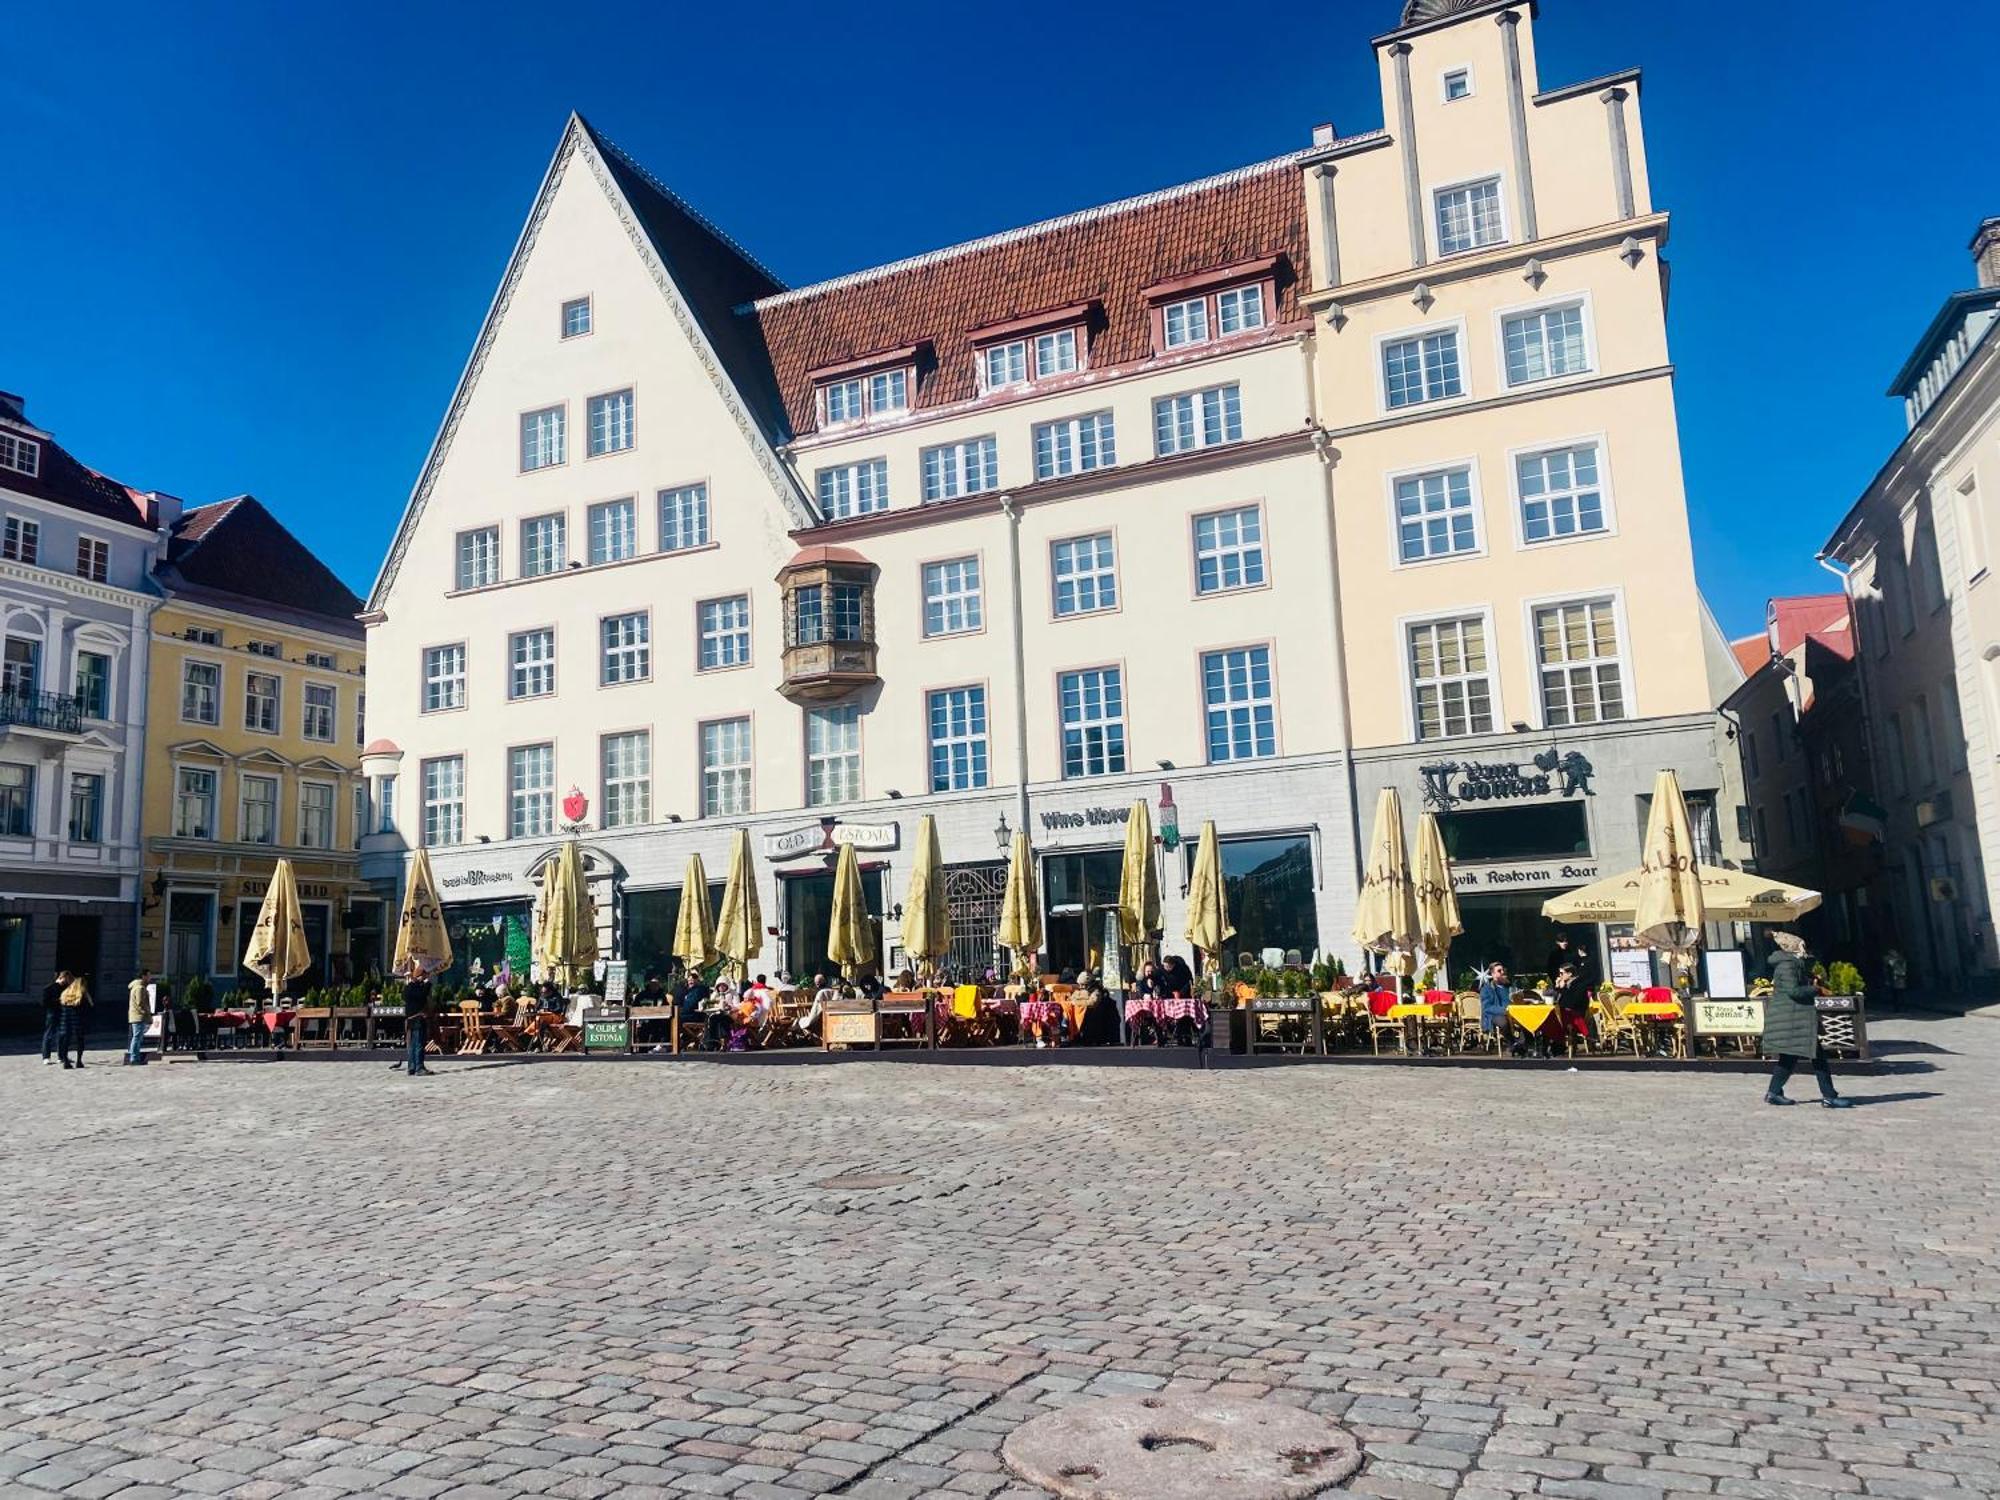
(927, 915)
(1139, 881)
(739, 927)
(1385, 918)
(850, 940)
(1208, 925)
(1726, 896)
(277, 951)
(1437, 901)
(1020, 931)
(569, 926)
(694, 928)
(423, 947)
(1670, 911)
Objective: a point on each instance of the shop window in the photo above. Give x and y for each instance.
(13, 955)
(1544, 830)
(1270, 885)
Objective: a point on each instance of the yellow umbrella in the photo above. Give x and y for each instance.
(1437, 901)
(423, 947)
(544, 908)
(850, 940)
(277, 950)
(927, 915)
(694, 928)
(1670, 911)
(739, 927)
(569, 926)
(1139, 879)
(1208, 925)
(1020, 929)
(1726, 896)
(1385, 919)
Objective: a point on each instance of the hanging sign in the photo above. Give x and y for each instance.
(826, 838)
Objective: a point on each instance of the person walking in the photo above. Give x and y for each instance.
(138, 1015)
(75, 1003)
(52, 1016)
(1791, 1023)
(417, 1022)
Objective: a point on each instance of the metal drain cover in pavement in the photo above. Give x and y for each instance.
(1181, 1448)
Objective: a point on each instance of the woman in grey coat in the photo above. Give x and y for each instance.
(1791, 1023)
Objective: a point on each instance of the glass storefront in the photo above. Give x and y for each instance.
(484, 933)
(808, 903)
(1510, 929)
(1077, 891)
(650, 920)
(1270, 886)
(1548, 830)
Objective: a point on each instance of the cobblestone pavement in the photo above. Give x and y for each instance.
(630, 1279)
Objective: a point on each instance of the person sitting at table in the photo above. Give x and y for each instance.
(1494, 997)
(549, 996)
(690, 1001)
(1178, 978)
(1099, 1027)
(807, 1025)
(1572, 997)
(718, 1009)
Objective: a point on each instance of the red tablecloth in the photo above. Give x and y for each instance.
(268, 1020)
(1163, 1010)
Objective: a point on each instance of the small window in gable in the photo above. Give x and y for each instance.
(576, 318)
(1457, 84)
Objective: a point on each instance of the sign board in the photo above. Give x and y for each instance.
(826, 838)
(1527, 875)
(854, 1028)
(1631, 965)
(1090, 817)
(1743, 1017)
(615, 981)
(606, 1035)
(1725, 974)
(1552, 773)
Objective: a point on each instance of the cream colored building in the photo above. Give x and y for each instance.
(1917, 552)
(1019, 531)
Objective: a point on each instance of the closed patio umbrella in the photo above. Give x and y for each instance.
(1437, 900)
(1139, 882)
(1670, 911)
(1020, 931)
(569, 927)
(926, 914)
(423, 947)
(277, 951)
(850, 940)
(739, 926)
(694, 928)
(1208, 925)
(1385, 918)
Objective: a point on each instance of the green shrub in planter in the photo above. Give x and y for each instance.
(1844, 979)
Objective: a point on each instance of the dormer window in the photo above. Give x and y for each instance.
(1187, 322)
(22, 455)
(1039, 346)
(866, 389)
(1239, 309)
(1218, 304)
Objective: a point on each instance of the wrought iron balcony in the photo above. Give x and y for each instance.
(54, 711)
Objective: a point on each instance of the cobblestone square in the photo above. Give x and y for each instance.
(636, 1279)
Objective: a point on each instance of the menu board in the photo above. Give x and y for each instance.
(615, 982)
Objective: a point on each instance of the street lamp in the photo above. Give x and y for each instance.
(1003, 835)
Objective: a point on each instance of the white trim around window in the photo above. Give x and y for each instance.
(1457, 70)
(1453, 326)
(1496, 696)
(1435, 199)
(1627, 687)
(1581, 300)
(1596, 440)
(1477, 497)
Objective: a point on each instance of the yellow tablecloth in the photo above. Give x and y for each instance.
(1415, 1010)
(1530, 1018)
(1653, 1010)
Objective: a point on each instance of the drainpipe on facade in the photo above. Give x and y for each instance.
(1013, 515)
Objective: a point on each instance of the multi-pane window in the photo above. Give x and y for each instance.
(316, 815)
(628, 779)
(86, 808)
(576, 318)
(17, 803)
(1242, 720)
(271, 649)
(21, 540)
(194, 803)
(952, 601)
(1583, 676)
(20, 454)
(1239, 309)
(614, 531)
(260, 702)
(958, 739)
(725, 632)
(1469, 217)
(888, 392)
(955, 469)
(444, 801)
(1545, 343)
(1075, 445)
(684, 518)
(1560, 492)
(725, 768)
(93, 684)
(201, 692)
(542, 440)
(1228, 550)
(883, 394)
(1185, 322)
(1457, 85)
(1085, 572)
(1425, 368)
(854, 489)
(846, 401)
(627, 642)
(1198, 419)
(359, 826)
(1451, 678)
(479, 557)
(1055, 353)
(1002, 365)
(531, 658)
(1047, 354)
(531, 791)
(322, 707)
(1093, 722)
(385, 804)
(544, 545)
(444, 677)
(21, 667)
(610, 422)
(324, 659)
(833, 754)
(1434, 515)
(202, 635)
(93, 558)
(827, 612)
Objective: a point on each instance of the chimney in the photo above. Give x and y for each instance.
(1986, 252)
(1323, 136)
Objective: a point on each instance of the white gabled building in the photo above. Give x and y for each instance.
(1023, 529)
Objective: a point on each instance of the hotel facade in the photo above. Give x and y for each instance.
(1246, 497)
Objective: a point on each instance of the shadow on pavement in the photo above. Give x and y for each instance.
(1906, 1097)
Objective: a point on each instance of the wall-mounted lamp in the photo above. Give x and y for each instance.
(1003, 835)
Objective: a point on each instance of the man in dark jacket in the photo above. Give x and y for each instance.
(52, 1016)
(1791, 1023)
(417, 1022)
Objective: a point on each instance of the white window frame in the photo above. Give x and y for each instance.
(517, 666)
(1222, 552)
(605, 510)
(1466, 184)
(214, 797)
(98, 551)
(276, 699)
(1484, 614)
(106, 652)
(1052, 341)
(434, 810)
(1453, 326)
(1002, 352)
(1191, 308)
(523, 802)
(1098, 572)
(728, 788)
(1971, 524)
(1065, 439)
(589, 318)
(307, 708)
(691, 502)
(214, 718)
(952, 471)
(560, 446)
(1221, 392)
(558, 555)
(606, 402)
(1586, 306)
(1628, 688)
(721, 634)
(970, 742)
(75, 780)
(1595, 440)
(31, 794)
(1230, 707)
(1474, 488)
(460, 556)
(970, 602)
(1122, 719)
(634, 784)
(869, 403)
(1457, 70)
(21, 540)
(829, 488)
(332, 839)
(20, 455)
(625, 661)
(445, 681)
(843, 760)
(1247, 289)
(243, 785)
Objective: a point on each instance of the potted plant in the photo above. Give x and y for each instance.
(1844, 979)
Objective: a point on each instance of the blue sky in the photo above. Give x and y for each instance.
(248, 247)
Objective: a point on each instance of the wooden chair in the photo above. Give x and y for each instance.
(1441, 1027)
(472, 1035)
(1471, 1029)
(1379, 1024)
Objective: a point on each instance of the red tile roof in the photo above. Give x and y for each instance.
(1751, 653)
(1808, 614)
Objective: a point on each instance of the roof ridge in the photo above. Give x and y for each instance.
(1027, 231)
(724, 236)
